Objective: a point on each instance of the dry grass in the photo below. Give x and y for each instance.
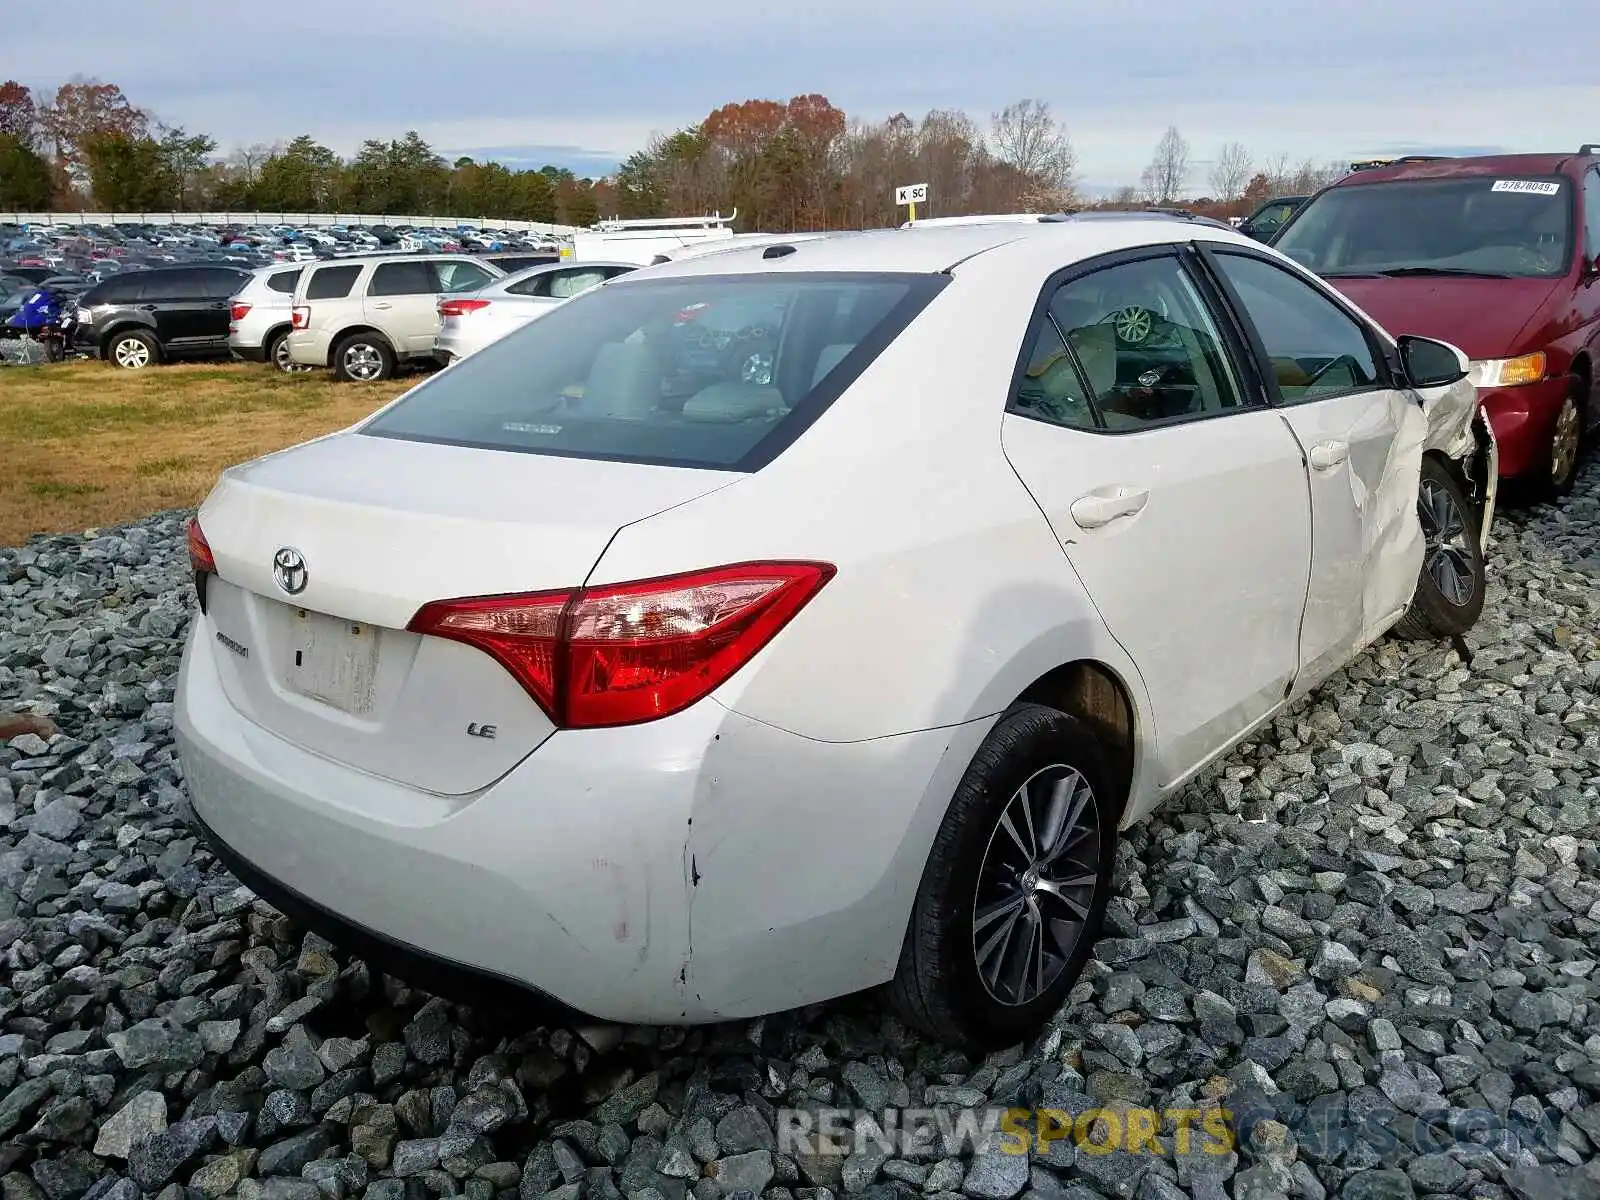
(85, 444)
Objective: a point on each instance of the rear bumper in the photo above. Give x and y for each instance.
(698, 868)
(1524, 420)
(310, 347)
(253, 354)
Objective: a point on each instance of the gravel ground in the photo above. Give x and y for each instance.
(1370, 937)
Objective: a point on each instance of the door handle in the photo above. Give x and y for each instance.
(1325, 456)
(1097, 509)
(382, 304)
(147, 308)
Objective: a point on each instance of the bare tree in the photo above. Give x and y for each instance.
(1230, 172)
(1280, 175)
(247, 160)
(1027, 136)
(1164, 178)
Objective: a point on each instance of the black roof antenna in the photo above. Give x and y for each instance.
(780, 251)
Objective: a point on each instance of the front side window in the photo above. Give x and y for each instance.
(708, 371)
(570, 283)
(461, 276)
(1484, 225)
(1315, 348)
(402, 279)
(1147, 348)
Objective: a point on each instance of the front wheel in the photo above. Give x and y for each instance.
(1449, 593)
(1016, 884)
(1566, 444)
(134, 350)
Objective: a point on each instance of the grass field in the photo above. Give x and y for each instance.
(85, 444)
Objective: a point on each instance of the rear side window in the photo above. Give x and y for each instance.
(710, 371)
(461, 276)
(219, 285)
(284, 281)
(173, 285)
(402, 279)
(331, 283)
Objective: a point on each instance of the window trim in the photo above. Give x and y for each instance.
(1590, 249)
(1238, 357)
(1383, 354)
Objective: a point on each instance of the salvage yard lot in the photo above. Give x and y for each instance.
(85, 445)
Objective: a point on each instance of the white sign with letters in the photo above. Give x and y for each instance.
(916, 193)
(1529, 187)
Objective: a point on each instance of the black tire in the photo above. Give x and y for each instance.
(1558, 470)
(277, 353)
(1449, 594)
(938, 988)
(363, 358)
(121, 350)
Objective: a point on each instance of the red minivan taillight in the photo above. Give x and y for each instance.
(460, 308)
(201, 560)
(626, 653)
(238, 312)
(300, 317)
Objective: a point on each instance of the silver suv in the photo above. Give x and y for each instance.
(363, 317)
(258, 326)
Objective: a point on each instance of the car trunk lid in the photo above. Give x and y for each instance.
(367, 530)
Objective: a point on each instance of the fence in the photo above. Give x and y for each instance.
(299, 220)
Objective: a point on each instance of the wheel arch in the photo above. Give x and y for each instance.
(344, 335)
(1099, 697)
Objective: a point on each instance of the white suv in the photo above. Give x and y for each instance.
(364, 316)
(258, 324)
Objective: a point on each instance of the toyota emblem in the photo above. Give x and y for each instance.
(289, 570)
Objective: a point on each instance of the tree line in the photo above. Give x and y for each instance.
(794, 165)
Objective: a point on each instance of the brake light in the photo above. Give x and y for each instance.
(627, 653)
(238, 311)
(460, 308)
(300, 317)
(201, 560)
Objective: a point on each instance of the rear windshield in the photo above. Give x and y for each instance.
(709, 371)
(1485, 225)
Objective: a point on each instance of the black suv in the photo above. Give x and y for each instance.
(154, 316)
(1264, 223)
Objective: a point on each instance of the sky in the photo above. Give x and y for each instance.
(530, 81)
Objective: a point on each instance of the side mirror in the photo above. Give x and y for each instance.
(1430, 364)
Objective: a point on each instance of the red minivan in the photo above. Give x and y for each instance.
(1499, 256)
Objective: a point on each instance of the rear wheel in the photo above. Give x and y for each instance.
(278, 354)
(133, 350)
(1449, 593)
(1016, 885)
(363, 358)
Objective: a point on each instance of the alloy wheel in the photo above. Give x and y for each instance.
(363, 362)
(1447, 556)
(131, 353)
(1565, 441)
(1036, 885)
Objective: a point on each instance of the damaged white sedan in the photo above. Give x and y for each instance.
(769, 626)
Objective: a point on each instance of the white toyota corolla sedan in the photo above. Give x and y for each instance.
(606, 667)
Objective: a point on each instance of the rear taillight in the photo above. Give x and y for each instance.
(300, 317)
(632, 652)
(201, 560)
(238, 312)
(460, 308)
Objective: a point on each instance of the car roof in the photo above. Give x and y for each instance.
(935, 249)
(1462, 168)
